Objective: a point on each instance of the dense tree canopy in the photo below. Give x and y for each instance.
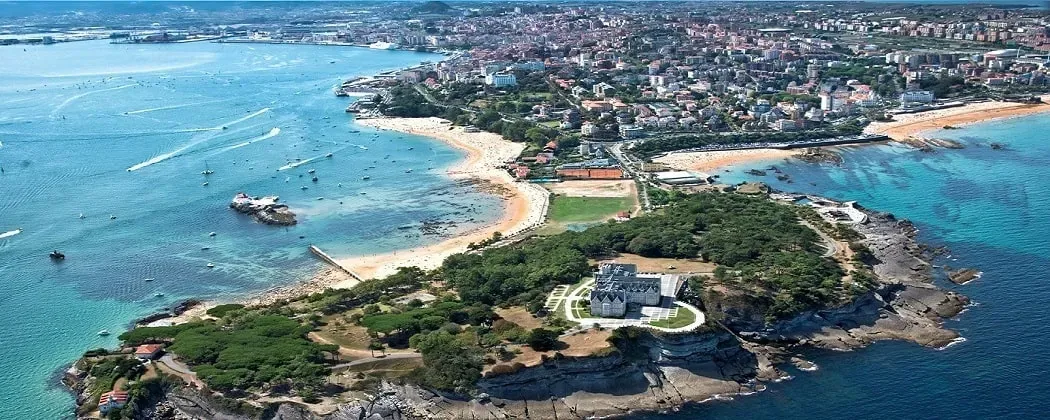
(246, 350)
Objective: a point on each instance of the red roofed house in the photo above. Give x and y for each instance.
(112, 400)
(148, 351)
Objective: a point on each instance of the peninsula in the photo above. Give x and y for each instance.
(621, 275)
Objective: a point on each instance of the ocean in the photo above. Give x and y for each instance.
(991, 208)
(121, 134)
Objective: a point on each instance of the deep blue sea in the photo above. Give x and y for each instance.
(991, 208)
(75, 117)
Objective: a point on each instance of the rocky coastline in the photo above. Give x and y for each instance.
(264, 209)
(655, 372)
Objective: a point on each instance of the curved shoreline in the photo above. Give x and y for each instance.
(908, 126)
(486, 153)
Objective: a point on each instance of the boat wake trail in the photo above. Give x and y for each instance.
(299, 163)
(64, 104)
(165, 108)
(246, 118)
(9, 234)
(165, 156)
(274, 132)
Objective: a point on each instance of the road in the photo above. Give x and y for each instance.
(629, 165)
(830, 243)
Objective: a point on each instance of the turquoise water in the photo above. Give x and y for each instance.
(991, 208)
(75, 117)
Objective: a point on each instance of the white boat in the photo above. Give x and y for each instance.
(204, 184)
(112, 217)
(311, 171)
(207, 170)
(103, 333)
(81, 216)
(210, 265)
(328, 155)
(148, 279)
(212, 234)
(304, 187)
(158, 294)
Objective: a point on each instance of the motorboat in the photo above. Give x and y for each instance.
(210, 265)
(103, 333)
(57, 256)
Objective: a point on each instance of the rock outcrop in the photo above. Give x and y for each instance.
(264, 209)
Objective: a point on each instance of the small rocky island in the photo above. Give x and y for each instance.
(264, 209)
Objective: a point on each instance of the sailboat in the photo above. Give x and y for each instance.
(207, 170)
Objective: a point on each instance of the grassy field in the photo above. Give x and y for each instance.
(587, 209)
(685, 317)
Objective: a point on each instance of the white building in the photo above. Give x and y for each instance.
(501, 79)
(617, 285)
(920, 96)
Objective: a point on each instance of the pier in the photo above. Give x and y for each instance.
(324, 257)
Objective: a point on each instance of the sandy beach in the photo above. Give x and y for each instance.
(910, 126)
(487, 153)
(904, 127)
(710, 162)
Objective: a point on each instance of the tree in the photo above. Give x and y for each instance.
(449, 363)
(542, 339)
(376, 345)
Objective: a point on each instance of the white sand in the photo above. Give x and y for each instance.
(711, 161)
(487, 155)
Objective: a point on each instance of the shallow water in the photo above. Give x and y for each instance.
(121, 130)
(991, 209)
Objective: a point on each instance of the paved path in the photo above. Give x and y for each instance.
(389, 356)
(580, 294)
(830, 243)
(180, 369)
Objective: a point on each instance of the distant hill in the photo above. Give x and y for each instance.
(434, 7)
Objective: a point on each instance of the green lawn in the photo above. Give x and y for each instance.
(582, 309)
(685, 317)
(586, 209)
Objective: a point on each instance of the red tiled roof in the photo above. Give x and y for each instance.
(148, 348)
(120, 397)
